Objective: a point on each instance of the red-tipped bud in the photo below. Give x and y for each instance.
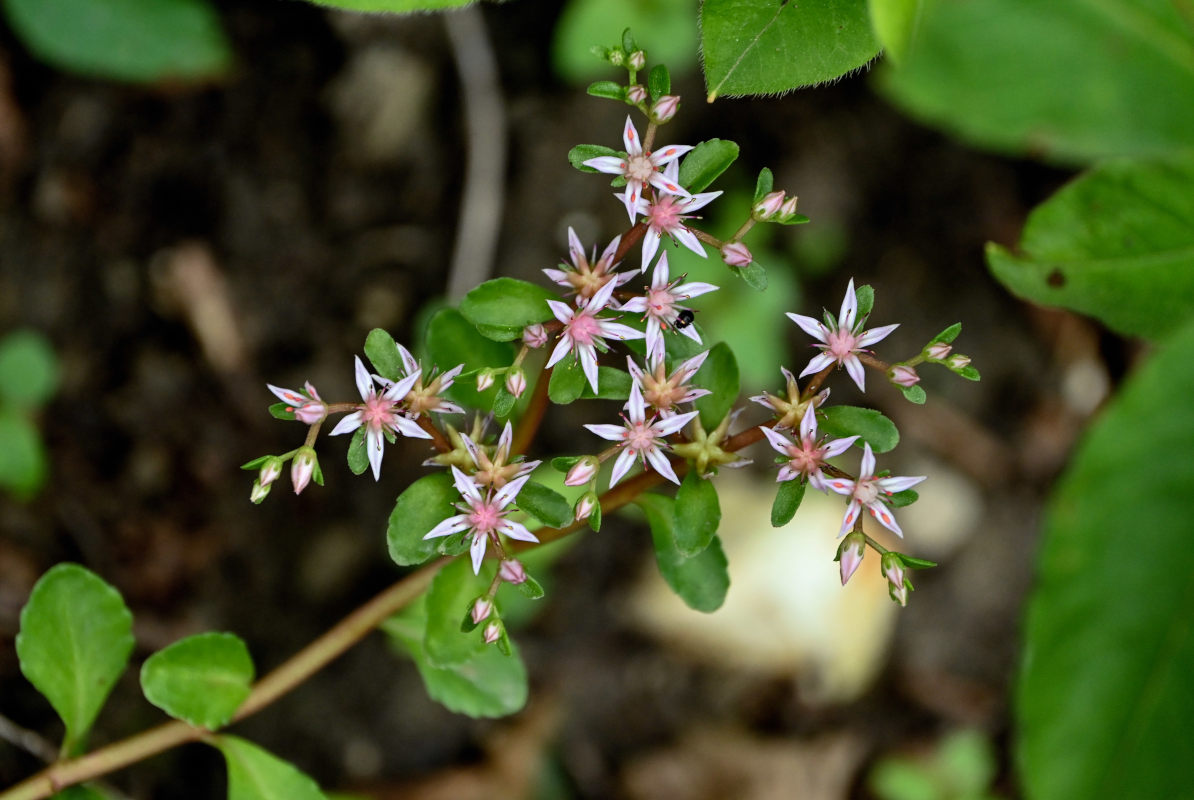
(534, 336)
(736, 255)
(302, 468)
(516, 382)
(582, 471)
(512, 571)
(665, 107)
(636, 94)
(904, 375)
(850, 553)
(484, 379)
(270, 471)
(493, 632)
(637, 60)
(259, 492)
(584, 506)
(482, 608)
(939, 350)
(768, 207)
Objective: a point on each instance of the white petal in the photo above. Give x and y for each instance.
(635, 305)
(477, 550)
(882, 513)
(364, 382)
(563, 348)
(471, 447)
(898, 483)
(614, 433)
(373, 447)
(690, 367)
(818, 363)
(845, 317)
(600, 298)
(694, 289)
(621, 467)
(659, 276)
(562, 311)
(575, 250)
(692, 333)
(867, 470)
(507, 493)
(630, 197)
(699, 200)
(465, 485)
(448, 527)
(504, 440)
(409, 428)
(287, 395)
(810, 326)
(857, 371)
(397, 391)
(655, 347)
(661, 464)
(558, 276)
(636, 372)
(612, 165)
(611, 248)
(660, 182)
(616, 330)
(588, 363)
(650, 247)
(516, 530)
(876, 335)
(348, 423)
(666, 427)
(689, 240)
(808, 423)
(777, 440)
(667, 153)
(635, 404)
(852, 511)
(409, 362)
(840, 485)
(838, 446)
(630, 138)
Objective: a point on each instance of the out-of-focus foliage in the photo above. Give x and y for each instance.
(28, 378)
(669, 29)
(960, 768)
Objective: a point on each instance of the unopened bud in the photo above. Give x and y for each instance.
(637, 60)
(768, 207)
(635, 93)
(493, 632)
(893, 570)
(482, 607)
(789, 207)
(959, 361)
(904, 375)
(512, 571)
(736, 255)
(850, 553)
(484, 379)
(534, 336)
(939, 350)
(516, 382)
(302, 468)
(584, 506)
(665, 107)
(582, 471)
(270, 471)
(616, 56)
(259, 492)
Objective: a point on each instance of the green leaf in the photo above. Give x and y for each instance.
(865, 295)
(754, 275)
(670, 25)
(904, 498)
(719, 374)
(80, 792)
(452, 340)
(75, 640)
(503, 402)
(895, 23)
(702, 580)
(502, 307)
(256, 774)
(564, 463)
(612, 384)
(282, 411)
(948, 335)
(874, 428)
(916, 563)
(659, 82)
(913, 394)
(705, 162)
(761, 46)
(452, 590)
(1117, 243)
(489, 684)
(130, 40)
(23, 462)
(28, 369)
(764, 185)
(788, 496)
(544, 505)
(578, 155)
(610, 90)
(1104, 697)
(358, 456)
(567, 381)
(201, 680)
(698, 513)
(394, 6)
(990, 72)
(382, 352)
(423, 505)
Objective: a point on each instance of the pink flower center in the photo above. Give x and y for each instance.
(660, 302)
(841, 344)
(485, 517)
(584, 328)
(640, 168)
(664, 214)
(377, 412)
(806, 457)
(639, 437)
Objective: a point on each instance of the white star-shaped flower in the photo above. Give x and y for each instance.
(661, 305)
(642, 439)
(871, 492)
(639, 168)
(483, 516)
(842, 339)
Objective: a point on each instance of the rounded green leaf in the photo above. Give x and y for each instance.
(788, 497)
(452, 340)
(567, 381)
(423, 505)
(23, 463)
(705, 163)
(202, 679)
(257, 774)
(719, 374)
(452, 592)
(1117, 243)
(502, 307)
(130, 40)
(1003, 74)
(701, 581)
(698, 513)
(761, 46)
(1104, 699)
(382, 352)
(75, 640)
(28, 369)
(612, 384)
(874, 428)
(545, 505)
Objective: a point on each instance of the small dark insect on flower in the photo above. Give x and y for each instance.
(684, 318)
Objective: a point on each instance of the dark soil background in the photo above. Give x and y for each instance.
(183, 247)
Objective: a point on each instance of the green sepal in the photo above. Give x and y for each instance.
(255, 463)
(916, 563)
(794, 219)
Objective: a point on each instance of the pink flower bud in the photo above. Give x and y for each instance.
(637, 59)
(736, 255)
(270, 471)
(259, 492)
(665, 107)
(302, 468)
(959, 361)
(768, 207)
(939, 350)
(516, 382)
(484, 379)
(512, 571)
(584, 506)
(482, 607)
(850, 554)
(314, 409)
(582, 471)
(534, 336)
(789, 207)
(904, 375)
(893, 570)
(635, 93)
(493, 632)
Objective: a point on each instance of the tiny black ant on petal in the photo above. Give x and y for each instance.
(684, 318)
